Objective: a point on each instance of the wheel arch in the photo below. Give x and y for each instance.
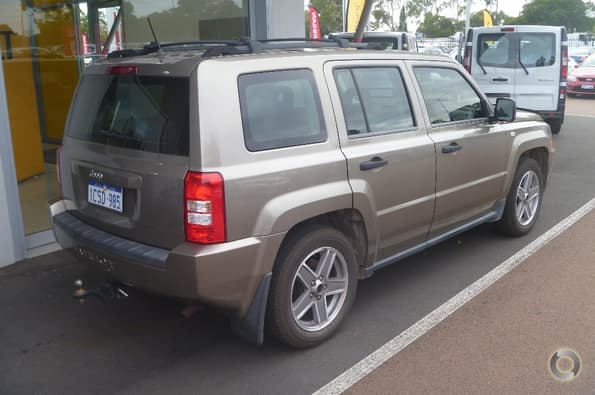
(348, 221)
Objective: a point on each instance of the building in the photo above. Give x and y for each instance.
(45, 46)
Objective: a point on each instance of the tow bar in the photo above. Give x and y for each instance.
(105, 291)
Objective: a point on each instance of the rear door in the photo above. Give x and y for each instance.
(493, 63)
(390, 158)
(538, 75)
(125, 155)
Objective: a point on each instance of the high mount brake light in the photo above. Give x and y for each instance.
(122, 70)
(204, 208)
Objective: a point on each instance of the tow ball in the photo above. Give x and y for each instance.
(105, 291)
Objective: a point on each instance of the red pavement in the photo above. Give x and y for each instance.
(502, 341)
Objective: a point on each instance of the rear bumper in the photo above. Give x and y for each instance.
(225, 275)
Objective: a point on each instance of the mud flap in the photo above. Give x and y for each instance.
(251, 327)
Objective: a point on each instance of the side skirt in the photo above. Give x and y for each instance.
(493, 215)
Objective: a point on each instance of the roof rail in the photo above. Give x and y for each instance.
(213, 48)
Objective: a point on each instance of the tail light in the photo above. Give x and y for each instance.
(563, 71)
(467, 57)
(204, 208)
(564, 64)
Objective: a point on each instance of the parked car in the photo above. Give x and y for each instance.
(387, 40)
(525, 63)
(436, 50)
(579, 54)
(265, 179)
(581, 80)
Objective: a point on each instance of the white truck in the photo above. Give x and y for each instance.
(526, 63)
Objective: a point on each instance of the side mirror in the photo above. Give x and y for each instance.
(505, 110)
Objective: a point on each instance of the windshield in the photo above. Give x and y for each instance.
(384, 42)
(142, 113)
(590, 61)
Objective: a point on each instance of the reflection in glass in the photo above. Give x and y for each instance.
(189, 20)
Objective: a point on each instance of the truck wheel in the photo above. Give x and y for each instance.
(313, 286)
(524, 199)
(555, 125)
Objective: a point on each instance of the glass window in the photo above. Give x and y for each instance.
(376, 96)
(538, 49)
(142, 113)
(280, 109)
(185, 20)
(448, 95)
(350, 102)
(494, 50)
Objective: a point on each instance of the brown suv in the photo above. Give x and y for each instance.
(266, 179)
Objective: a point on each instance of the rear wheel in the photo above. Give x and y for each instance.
(524, 199)
(313, 286)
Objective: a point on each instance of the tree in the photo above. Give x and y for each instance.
(331, 16)
(402, 21)
(437, 26)
(569, 13)
(417, 8)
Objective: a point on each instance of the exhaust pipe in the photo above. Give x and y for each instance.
(105, 291)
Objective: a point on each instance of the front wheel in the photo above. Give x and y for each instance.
(524, 199)
(313, 286)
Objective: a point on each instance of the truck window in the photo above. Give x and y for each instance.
(494, 50)
(538, 49)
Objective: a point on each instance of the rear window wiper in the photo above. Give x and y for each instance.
(125, 138)
(480, 66)
(522, 65)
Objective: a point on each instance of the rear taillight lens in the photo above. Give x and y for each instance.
(564, 66)
(204, 207)
(467, 58)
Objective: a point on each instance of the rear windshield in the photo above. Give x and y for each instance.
(507, 50)
(135, 112)
(383, 42)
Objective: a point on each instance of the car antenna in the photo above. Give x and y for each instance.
(159, 50)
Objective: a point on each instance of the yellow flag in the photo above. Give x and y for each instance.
(487, 19)
(354, 13)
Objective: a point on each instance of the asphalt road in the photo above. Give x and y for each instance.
(51, 344)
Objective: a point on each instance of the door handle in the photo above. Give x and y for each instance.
(452, 147)
(500, 79)
(373, 163)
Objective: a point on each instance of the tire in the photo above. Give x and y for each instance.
(296, 282)
(555, 125)
(524, 199)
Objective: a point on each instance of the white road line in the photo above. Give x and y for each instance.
(580, 115)
(398, 343)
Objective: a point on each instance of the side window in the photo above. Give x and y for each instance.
(374, 100)
(448, 95)
(494, 50)
(280, 109)
(538, 49)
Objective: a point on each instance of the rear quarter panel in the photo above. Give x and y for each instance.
(266, 192)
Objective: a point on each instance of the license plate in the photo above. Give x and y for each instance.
(588, 86)
(104, 195)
